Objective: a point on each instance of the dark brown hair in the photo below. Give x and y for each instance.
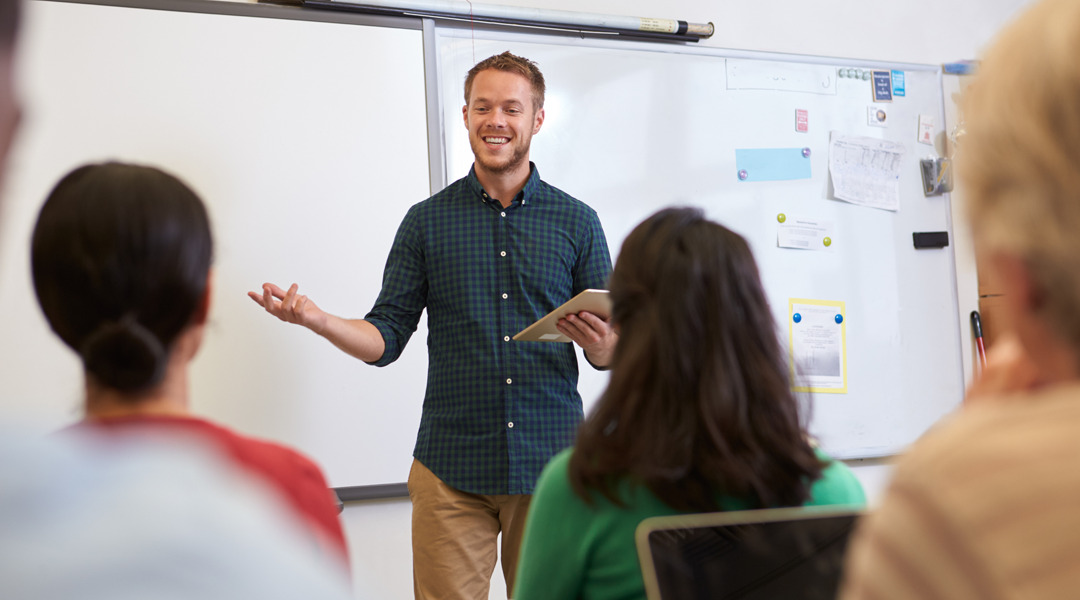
(120, 257)
(10, 16)
(511, 64)
(699, 404)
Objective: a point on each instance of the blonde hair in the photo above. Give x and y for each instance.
(1019, 160)
(510, 63)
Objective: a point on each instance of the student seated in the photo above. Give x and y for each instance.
(120, 259)
(699, 415)
(987, 505)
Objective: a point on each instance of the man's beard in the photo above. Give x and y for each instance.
(516, 159)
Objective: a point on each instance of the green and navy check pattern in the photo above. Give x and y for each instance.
(495, 410)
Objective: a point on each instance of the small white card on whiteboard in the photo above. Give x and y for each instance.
(926, 129)
(804, 234)
(878, 116)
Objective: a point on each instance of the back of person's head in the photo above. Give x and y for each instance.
(700, 402)
(120, 258)
(1019, 159)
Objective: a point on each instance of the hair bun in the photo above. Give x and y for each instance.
(124, 355)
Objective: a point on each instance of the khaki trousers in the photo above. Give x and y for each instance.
(454, 537)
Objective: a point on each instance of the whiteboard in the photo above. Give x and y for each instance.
(632, 127)
(307, 140)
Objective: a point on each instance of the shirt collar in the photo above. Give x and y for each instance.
(526, 195)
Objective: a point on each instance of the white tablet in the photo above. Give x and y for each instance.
(598, 302)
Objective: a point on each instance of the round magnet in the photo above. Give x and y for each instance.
(796, 317)
(781, 217)
(743, 174)
(806, 152)
(865, 75)
(839, 319)
(827, 241)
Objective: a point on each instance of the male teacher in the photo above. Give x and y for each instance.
(487, 256)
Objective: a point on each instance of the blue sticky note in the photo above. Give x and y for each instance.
(882, 86)
(772, 164)
(898, 83)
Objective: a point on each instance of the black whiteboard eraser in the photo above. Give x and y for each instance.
(930, 239)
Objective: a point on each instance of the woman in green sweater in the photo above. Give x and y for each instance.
(699, 416)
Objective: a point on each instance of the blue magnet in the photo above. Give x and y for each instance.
(796, 317)
(806, 152)
(839, 319)
(743, 174)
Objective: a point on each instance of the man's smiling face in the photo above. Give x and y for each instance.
(501, 119)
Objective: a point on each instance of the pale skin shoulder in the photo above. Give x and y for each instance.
(1009, 371)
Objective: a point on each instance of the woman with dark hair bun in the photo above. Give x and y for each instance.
(699, 415)
(120, 259)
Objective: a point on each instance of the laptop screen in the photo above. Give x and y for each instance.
(790, 553)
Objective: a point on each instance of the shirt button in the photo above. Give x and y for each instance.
(503, 253)
(502, 214)
(509, 381)
(505, 296)
(510, 424)
(506, 338)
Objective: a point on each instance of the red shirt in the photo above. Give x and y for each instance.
(300, 481)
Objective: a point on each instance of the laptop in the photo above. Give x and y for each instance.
(784, 553)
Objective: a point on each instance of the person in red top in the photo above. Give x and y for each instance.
(120, 259)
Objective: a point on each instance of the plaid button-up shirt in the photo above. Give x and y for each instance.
(495, 410)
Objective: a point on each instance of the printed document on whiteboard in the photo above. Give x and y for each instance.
(865, 171)
(816, 333)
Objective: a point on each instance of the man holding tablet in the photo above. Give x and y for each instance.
(487, 256)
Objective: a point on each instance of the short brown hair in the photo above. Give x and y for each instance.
(511, 64)
(1017, 161)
